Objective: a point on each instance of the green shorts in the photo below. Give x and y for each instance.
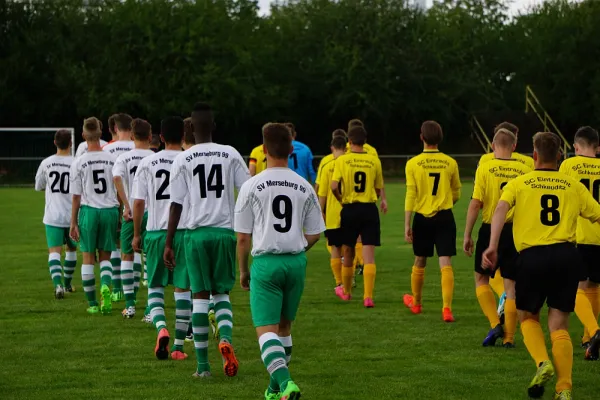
(276, 286)
(56, 236)
(210, 259)
(127, 234)
(158, 274)
(97, 228)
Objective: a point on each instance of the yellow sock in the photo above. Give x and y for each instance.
(329, 249)
(497, 283)
(593, 295)
(447, 286)
(336, 268)
(487, 301)
(358, 258)
(417, 278)
(510, 321)
(585, 313)
(534, 341)
(347, 275)
(369, 279)
(562, 354)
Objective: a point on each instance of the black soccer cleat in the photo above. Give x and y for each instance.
(592, 353)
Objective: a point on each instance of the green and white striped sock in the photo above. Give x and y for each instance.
(183, 312)
(137, 271)
(55, 268)
(105, 272)
(115, 260)
(273, 356)
(88, 281)
(127, 277)
(286, 341)
(200, 329)
(156, 303)
(69, 268)
(224, 316)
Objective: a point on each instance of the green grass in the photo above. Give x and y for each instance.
(53, 350)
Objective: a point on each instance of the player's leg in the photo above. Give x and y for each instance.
(55, 240)
(508, 266)
(350, 226)
(334, 242)
(106, 245)
(584, 304)
(510, 314)
(371, 238)
(70, 263)
(115, 260)
(183, 297)
(89, 225)
(422, 248)
(139, 266)
(127, 270)
(359, 262)
(445, 243)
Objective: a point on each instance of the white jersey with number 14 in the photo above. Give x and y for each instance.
(91, 177)
(278, 207)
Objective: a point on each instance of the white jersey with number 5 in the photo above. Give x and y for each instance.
(91, 177)
(278, 207)
(53, 175)
(151, 184)
(208, 173)
(126, 167)
(83, 146)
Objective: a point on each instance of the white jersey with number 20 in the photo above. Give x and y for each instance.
(208, 173)
(278, 207)
(53, 175)
(91, 177)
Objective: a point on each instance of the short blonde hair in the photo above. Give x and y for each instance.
(92, 128)
(504, 138)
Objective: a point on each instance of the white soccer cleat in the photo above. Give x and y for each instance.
(59, 293)
(129, 312)
(147, 319)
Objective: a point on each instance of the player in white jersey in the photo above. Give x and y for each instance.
(119, 126)
(95, 214)
(82, 148)
(123, 173)
(151, 189)
(207, 175)
(279, 212)
(53, 177)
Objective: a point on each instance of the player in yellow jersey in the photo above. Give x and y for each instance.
(329, 157)
(432, 188)
(367, 147)
(489, 181)
(517, 156)
(547, 204)
(258, 160)
(331, 211)
(357, 183)
(585, 167)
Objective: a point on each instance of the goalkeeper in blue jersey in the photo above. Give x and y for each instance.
(301, 159)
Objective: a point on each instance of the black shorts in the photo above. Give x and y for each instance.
(548, 274)
(334, 237)
(360, 219)
(438, 231)
(507, 253)
(590, 255)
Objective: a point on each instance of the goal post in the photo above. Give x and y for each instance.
(22, 149)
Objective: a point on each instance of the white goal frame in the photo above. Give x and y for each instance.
(72, 130)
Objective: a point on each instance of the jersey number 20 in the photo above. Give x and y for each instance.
(60, 180)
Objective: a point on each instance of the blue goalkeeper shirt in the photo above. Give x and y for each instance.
(301, 161)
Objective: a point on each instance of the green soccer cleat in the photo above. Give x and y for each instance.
(272, 396)
(93, 310)
(544, 373)
(117, 296)
(564, 395)
(106, 304)
(291, 392)
(212, 320)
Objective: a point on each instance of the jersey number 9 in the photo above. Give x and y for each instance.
(360, 180)
(285, 214)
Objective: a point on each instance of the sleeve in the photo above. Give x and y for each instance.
(378, 174)
(455, 182)
(589, 207)
(120, 167)
(40, 177)
(375, 152)
(311, 168)
(564, 168)
(411, 188)
(79, 151)
(509, 193)
(243, 218)
(177, 182)
(319, 172)
(324, 186)
(338, 166)
(254, 156)
(313, 217)
(76, 185)
(482, 160)
(140, 182)
(479, 186)
(241, 174)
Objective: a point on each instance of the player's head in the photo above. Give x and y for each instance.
(91, 129)
(155, 142)
(123, 124)
(355, 122)
(339, 133)
(338, 144)
(171, 130)
(111, 125)
(509, 127)
(546, 148)
(142, 130)
(277, 141)
(292, 129)
(504, 140)
(188, 132)
(586, 140)
(431, 133)
(62, 139)
(357, 136)
(203, 122)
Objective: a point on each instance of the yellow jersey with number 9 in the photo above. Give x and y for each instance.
(358, 174)
(547, 204)
(587, 171)
(490, 179)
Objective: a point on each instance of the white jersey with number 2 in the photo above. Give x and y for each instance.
(151, 184)
(53, 176)
(126, 166)
(208, 173)
(278, 207)
(91, 177)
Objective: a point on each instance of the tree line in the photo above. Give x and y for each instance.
(316, 63)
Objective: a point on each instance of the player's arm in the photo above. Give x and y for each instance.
(336, 179)
(310, 167)
(507, 201)
(323, 192)
(313, 222)
(119, 171)
(254, 156)
(252, 167)
(179, 189)
(76, 187)
(241, 172)
(379, 186)
(473, 212)
(243, 225)
(40, 178)
(590, 209)
(319, 175)
(140, 192)
(455, 184)
(409, 201)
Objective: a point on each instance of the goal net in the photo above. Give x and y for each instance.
(22, 150)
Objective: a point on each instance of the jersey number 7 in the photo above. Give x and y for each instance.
(436, 182)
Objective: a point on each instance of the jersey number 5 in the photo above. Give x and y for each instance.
(436, 182)
(549, 215)
(99, 179)
(63, 186)
(285, 214)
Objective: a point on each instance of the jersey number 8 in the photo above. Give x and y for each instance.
(549, 215)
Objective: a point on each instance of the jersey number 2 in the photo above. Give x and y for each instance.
(284, 213)
(160, 193)
(63, 186)
(214, 183)
(549, 215)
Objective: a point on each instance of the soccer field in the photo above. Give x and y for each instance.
(53, 349)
